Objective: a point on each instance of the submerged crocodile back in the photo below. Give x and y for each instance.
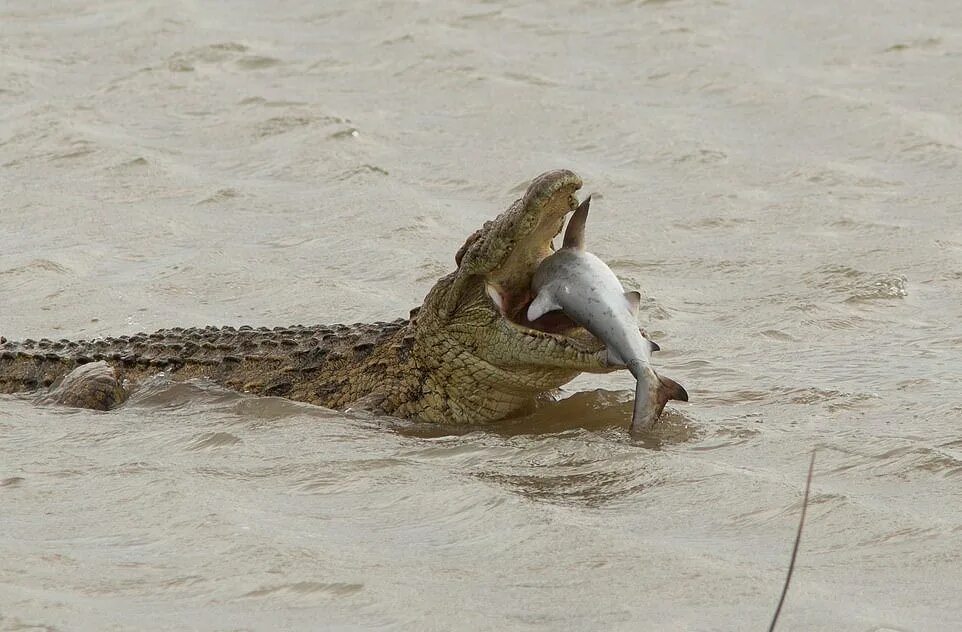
(266, 361)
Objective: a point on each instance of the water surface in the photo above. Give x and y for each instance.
(781, 183)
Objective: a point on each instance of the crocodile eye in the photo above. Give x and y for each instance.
(473, 237)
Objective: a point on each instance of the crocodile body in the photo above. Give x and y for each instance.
(468, 354)
(326, 365)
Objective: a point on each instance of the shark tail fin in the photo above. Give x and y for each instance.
(652, 392)
(670, 389)
(575, 232)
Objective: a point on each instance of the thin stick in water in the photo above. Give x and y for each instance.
(798, 539)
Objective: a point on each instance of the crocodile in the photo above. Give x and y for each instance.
(468, 354)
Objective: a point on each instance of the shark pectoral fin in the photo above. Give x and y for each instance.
(634, 301)
(575, 232)
(541, 305)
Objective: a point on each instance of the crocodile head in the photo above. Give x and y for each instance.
(483, 358)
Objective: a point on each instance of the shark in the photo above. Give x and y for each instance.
(586, 290)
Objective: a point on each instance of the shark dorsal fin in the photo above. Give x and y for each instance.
(575, 233)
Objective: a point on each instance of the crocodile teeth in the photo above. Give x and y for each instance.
(495, 295)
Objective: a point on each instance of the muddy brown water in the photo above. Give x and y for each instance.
(782, 183)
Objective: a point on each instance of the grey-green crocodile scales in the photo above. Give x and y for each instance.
(460, 357)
